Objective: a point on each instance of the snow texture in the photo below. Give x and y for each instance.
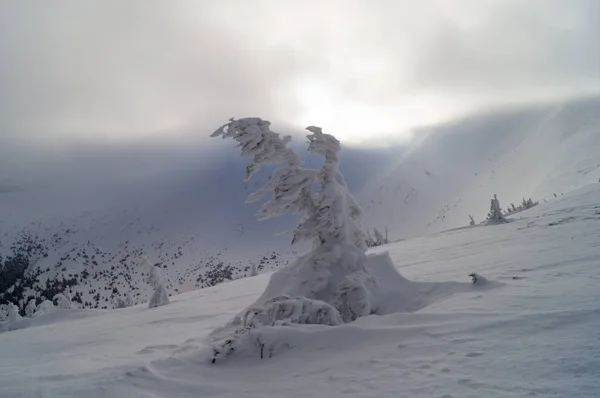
(533, 335)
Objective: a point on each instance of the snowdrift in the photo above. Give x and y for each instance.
(269, 325)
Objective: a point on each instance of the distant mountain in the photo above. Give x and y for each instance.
(455, 169)
(82, 221)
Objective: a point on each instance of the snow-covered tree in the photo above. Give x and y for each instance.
(332, 276)
(13, 313)
(495, 215)
(30, 308)
(44, 307)
(156, 280)
(379, 238)
(472, 220)
(528, 203)
(123, 302)
(253, 268)
(63, 300)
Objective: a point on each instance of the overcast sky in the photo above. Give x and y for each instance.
(89, 71)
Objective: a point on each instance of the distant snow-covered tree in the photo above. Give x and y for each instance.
(329, 283)
(528, 203)
(63, 300)
(123, 302)
(13, 313)
(156, 280)
(495, 215)
(30, 308)
(379, 238)
(44, 307)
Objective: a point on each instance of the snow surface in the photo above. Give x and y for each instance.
(534, 335)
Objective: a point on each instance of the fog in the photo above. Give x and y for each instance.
(110, 72)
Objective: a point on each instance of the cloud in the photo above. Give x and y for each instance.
(113, 71)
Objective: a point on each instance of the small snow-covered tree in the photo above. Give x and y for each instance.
(44, 307)
(330, 283)
(13, 313)
(472, 222)
(528, 203)
(63, 300)
(379, 238)
(3, 312)
(123, 302)
(156, 280)
(30, 308)
(253, 269)
(495, 215)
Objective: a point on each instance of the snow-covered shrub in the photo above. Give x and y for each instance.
(13, 313)
(495, 215)
(156, 280)
(30, 308)
(63, 300)
(44, 307)
(377, 239)
(528, 204)
(333, 274)
(123, 302)
(472, 220)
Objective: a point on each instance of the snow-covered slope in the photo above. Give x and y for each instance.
(81, 221)
(457, 168)
(536, 335)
